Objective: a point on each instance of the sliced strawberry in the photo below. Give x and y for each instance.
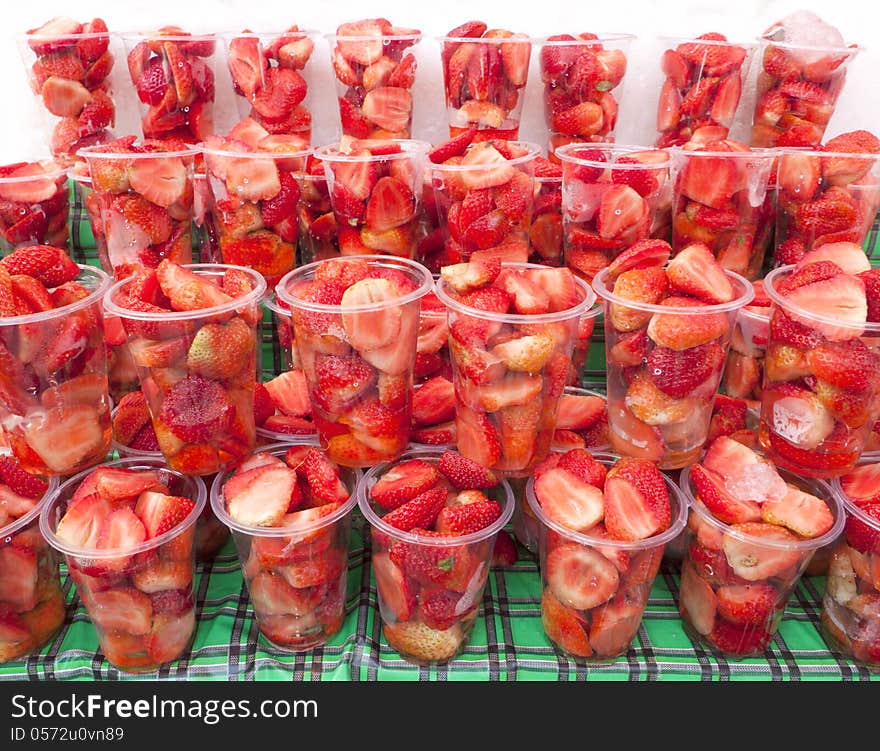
(563, 626)
(745, 474)
(754, 561)
(160, 512)
(419, 512)
(290, 393)
(389, 107)
(391, 205)
(21, 482)
(620, 209)
(504, 554)
(735, 639)
(722, 504)
(695, 271)
(433, 402)
(861, 485)
(396, 594)
(614, 624)
(19, 580)
(187, 290)
(803, 513)
(697, 601)
(636, 500)
(579, 411)
(403, 482)
(568, 500)
(260, 497)
(467, 518)
(464, 473)
(748, 604)
(122, 609)
(162, 180)
(580, 577)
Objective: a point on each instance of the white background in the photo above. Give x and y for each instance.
(22, 133)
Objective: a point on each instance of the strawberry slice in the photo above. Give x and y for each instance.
(467, 518)
(841, 298)
(563, 626)
(160, 512)
(579, 411)
(695, 271)
(722, 504)
(391, 205)
(21, 482)
(433, 402)
(122, 609)
(862, 536)
(748, 604)
(395, 593)
(710, 180)
(260, 497)
(322, 477)
(403, 482)
(754, 561)
(118, 485)
(290, 393)
(121, 530)
(271, 595)
(389, 107)
(861, 485)
(66, 436)
(744, 474)
(18, 585)
(420, 512)
(736, 639)
(568, 500)
(579, 577)
(636, 500)
(614, 624)
(584, 466)
(464, 473)
(162, 180)
(187, 290)
(697, 602)
(371, 329)
(803, 513)
(620, 209)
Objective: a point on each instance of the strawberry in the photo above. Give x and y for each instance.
(583, 119)
(841, 298)
(620, 209)
(323, 478)
(861, 485)
(697, 602)
(122, 609)
(679, 332)
(725, 506)
(695, 271)
(563, 626)
(465, 519)
(580, 577)
(636, 500)
(160, 512)
(419, 512)
(864, 536)
(454, 147)
(403, 482)
(187, 290)
(569, 500)
(220, 351)
(21, 482)
(394, 591)
(804, 514)
(433, 402)
(423, 643)
(391, 205)
(641, 255)
(342, 380)
(847, 365)
(504, 554)
(438, 609)
(464, 473)
(162, 181)
(260, 497)
(739, 640)
(582, 465)
(465, 277)
(289, 394)
(264, 407)
(754, 561)
(275, 209)
(435, 435)
(677, 373)
(477, 436)
(579, 412)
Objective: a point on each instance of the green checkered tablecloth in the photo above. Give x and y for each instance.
(507, 643)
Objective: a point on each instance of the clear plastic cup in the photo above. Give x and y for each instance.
(282, 321)
(583, 84)
(545, 231)
(317, 222)
(31, 599)
(644, 421)
(702, 88)
(823, 198)
(203, 418)
(377, 340)
(809, 80)
(253, 209)
(410, 568)
(490, 99)
(141, 600)
(432, 348)
(146, 203)
(262, 64)
(508, 230)
(612, 197)
(723, 199)
(70, 75)
(598, 586)
(730, 564)
(364, 224)
(505, 418)
(744, 370)
(850, 619)
(797, 430)
(202, 203)
(374, 75)
(296, 575)
(586, 326)
(34, 205)
(178, 102)
(56, 408)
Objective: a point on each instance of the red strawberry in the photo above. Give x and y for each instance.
(861, 485)
(391, 205)
(641, 255)
(403, 482)
(563, 626)
(419, 512)
(504, 553)
(579, 411)
(21, 482)
(323, 478)
(636, 500)
(862, 536)
(195, 409)
(678, 372)
(739, 640)
(438, 609)
(695, 271)
(722, 504)
(433, 402)
(283, 205)
(453, 147)
(584, 466)
(468, 518)
(569, 500)
(581, 578)
(160, 512)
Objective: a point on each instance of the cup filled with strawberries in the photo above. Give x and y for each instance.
(356, 326)
(826, 196)
(723, 199)
(254, 180)
(31, 600)
(33, 205)
(612, 198)
(667, 329)
(126, 530)
(752, 530)
(804, 63)
(850, 615)
(434, 516)
(512, 331)
(484, 75)
(603, 526)
(702, 87)
(583, 83)
(271, 74)
(289, 509)
(192, 334)
(375, 187)
(375, 69)
(69, 65)
(820, 399)
(172, 72)
(54, 403)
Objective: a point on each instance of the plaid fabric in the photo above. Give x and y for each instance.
(507, 643)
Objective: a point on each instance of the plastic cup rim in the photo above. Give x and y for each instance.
(230, 35)
(765, 41)
(414, 37)
(411, 147)
(564, 153)
(79, 35)
(816, 153)
(578, 310)
(611, 36)
(786, 305)
(744, 299)
(94, 295)
(126, 463)
(281, 447)
(676, 525)
(51, 175)
(799, 545)
(271, 303)
(275, 155)
(749, 45)
(376, 522)
(96, 152)
(534, 150)
(33, 515)
(156, 36)
(849, 506)
(525, 39)
(303, 271)
(252, 297)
